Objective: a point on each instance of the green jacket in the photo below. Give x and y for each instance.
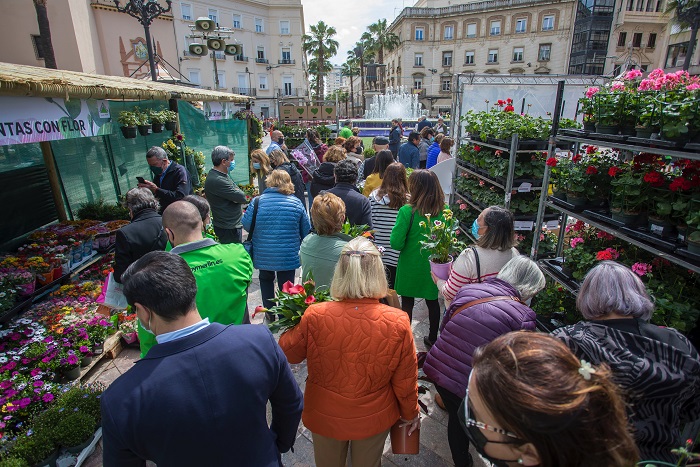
(319, 255)
(225, 199)
(413, 270)
(223, 274)
(345, 132)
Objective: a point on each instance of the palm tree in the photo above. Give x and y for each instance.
(381, 40)
(351, 68)
(42, 18)
(320, 45)
(314, 70)
(359, 53)
(687, 15)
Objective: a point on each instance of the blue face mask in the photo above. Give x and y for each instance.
(256, 165)
(475, 230)
(232, 166)
(147, 329)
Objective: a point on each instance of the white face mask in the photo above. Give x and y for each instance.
(147, 329)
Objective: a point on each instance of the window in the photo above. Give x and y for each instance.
(237, 21)
(637, 40)
(418, 83)
(676, 55)
(287, 55)
(418, 60)
(548, 23)
(651, 43)
(521, 26)
(622, 39)
(471, 30)
(262, 81)
(493, 56)
(214, 15)
(258, 25)
(495, 28)
(186, 11)
(544, 52)
(446, 84)
(469, 58)
(447, 59)
(449, 33)
(284, 27)
(194, 77)
(518, 54)
(287, 85)
(419, 34)
(643, 68)
(222, 79)
(261, 52)
(38, 51)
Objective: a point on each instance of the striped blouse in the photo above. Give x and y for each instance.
(383, 220)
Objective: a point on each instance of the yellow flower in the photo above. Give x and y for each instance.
(422, 224)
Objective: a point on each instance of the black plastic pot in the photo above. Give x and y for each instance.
(170, 126)
(144, 129)
(607, 129)
(157, 127)
(129, 132)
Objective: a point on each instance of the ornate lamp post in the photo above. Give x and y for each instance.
(145, 11)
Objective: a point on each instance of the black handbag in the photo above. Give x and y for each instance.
(248, 244)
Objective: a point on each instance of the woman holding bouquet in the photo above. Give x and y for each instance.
(361, 360)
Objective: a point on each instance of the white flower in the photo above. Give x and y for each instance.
(586, 370)
(3, 359)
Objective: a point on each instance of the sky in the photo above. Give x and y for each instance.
(350, 18)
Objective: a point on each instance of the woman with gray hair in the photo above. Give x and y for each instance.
(657, 367)
(143, 235)
(479, 314)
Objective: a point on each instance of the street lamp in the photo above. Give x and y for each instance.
(145, 12)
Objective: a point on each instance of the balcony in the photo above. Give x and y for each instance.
(240, 58)
(245, 91)
(262, 60)
(286, 61)
(291, 92)
(420, 92)
(220, 55)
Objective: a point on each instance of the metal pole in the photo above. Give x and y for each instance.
(149, 46)
(216, 71)
(511, 169)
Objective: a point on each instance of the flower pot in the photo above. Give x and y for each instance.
(80, 447)
(87, 247)
(25, 290)
(441, 270)
(559, 195)
(72, 374)
(644, 132)
(76, 255)
(607, 129)
(50, 461)
(630, 219)
(57, 272)
(589, 126)
(157, 127)
(44, 278)
(86, 361)
(578, 200)
(144, 129)
(130, 337)
(661, 227)
(65, 265)
(693, 247)
(170, 126)
(98, 348)
(628, 130)
(129, 132)
(682, 233)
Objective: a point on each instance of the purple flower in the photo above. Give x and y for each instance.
(48, 397)
(5, 385)
(38, 384)
(72, 360)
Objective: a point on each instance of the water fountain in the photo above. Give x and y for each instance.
(396, 103)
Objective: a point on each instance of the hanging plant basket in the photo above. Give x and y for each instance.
(129, 132)
(170, 126)
(143, 129)
(157, 127)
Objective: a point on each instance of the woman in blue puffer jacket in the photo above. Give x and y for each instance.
(281, 223)
(434, 151)
(479, 313)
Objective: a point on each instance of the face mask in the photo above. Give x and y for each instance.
(358, 151)
(231, 166)
(280, 141)
(432, 140)
(475, 230)
(156, 171)
(147, 329)
(256, 165)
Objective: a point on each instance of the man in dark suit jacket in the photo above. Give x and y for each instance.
(199, 396)
(357, 208)
(171, 181)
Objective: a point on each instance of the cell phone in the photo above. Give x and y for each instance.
(141, 179)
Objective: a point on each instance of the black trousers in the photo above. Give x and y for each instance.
(433, 314)
(456, 437)
(390, 275)
(229, 235)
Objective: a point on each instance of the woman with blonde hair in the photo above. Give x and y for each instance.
(280, 225)
(260, 166)
(323, 177)
(363, 375)
(279, 160)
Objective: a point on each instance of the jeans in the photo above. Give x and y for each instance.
(267, 286)
(433, 314)
(456, 437)
(229, 235)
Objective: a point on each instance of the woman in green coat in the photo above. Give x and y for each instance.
(413, 279)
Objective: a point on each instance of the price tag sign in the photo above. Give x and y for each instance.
(657, 229)
(525, 187)
(524, 225)
(507, 197)
(551, 225)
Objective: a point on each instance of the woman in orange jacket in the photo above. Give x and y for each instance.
(361, 360)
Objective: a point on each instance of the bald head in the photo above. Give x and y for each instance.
(182, 223)
(276, 135)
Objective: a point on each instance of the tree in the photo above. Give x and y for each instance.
(359, 53)
(380, 40)
(351, 68)
(687, 15)
(314, 70)
(42, 18)
(321, 46)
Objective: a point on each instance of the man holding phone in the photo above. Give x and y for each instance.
(171, 181)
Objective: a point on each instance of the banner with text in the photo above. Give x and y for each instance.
(35, 119)
(219, 110)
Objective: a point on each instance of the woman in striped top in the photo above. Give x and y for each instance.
(495, 241)
(385, 202)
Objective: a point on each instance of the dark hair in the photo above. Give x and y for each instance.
(351, 142)
(163, 283)
(500, 234)
(345, 171)
(427, 196)
(313, 136)
(531, 384)
(383, 160)
(426, 131)
(446, 144)
(200, 203)
(220, 154)
(157, 152)
(394, 185)
(414, 135)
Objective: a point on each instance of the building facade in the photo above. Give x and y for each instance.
(494, 37)
(334, 80)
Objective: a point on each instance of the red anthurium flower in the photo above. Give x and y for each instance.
(552, 162)
(259, 309)
(286, 287)
(310, 299)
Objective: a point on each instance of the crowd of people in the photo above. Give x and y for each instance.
(610, 390)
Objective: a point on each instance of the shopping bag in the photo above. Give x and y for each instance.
(114, 296)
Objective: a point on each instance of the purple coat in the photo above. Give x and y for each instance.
(449, 361)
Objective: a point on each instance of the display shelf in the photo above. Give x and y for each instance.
(471, 203)
(480, 176)
(619, 233)
(467, 230)
(624, 144)
(501, 148)
(552, 268)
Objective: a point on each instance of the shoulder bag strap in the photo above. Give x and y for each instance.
(478, 264)
(484, 300)
(255, 214)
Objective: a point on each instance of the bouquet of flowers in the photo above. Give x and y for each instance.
(355, 231)
(306, 157)
(292, 301)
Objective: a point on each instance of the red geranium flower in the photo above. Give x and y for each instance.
(603, 255)
(552, 162)
(591, 170)
(614, 171)
(477, 148)
(500, 103)
(591, 149)
(509, 101)
(576, 158)
(509, 108)
(654, 179)
(680, 184)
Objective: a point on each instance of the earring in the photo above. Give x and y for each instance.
(520, 460)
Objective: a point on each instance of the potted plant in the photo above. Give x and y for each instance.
(169, 119)
(587, 108)
(578, 183)
(75, 431)
(23, 280)
(157, 120)
(291, 303)
(441, 242)
(42, 269)
(70, 365)
(647, 114)
(13, 462)
(144, 122)
(35, 447)
(693, 223)
(83, 399)
(578, 259)
(608, 106)
(628, 200)
(128, 122)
